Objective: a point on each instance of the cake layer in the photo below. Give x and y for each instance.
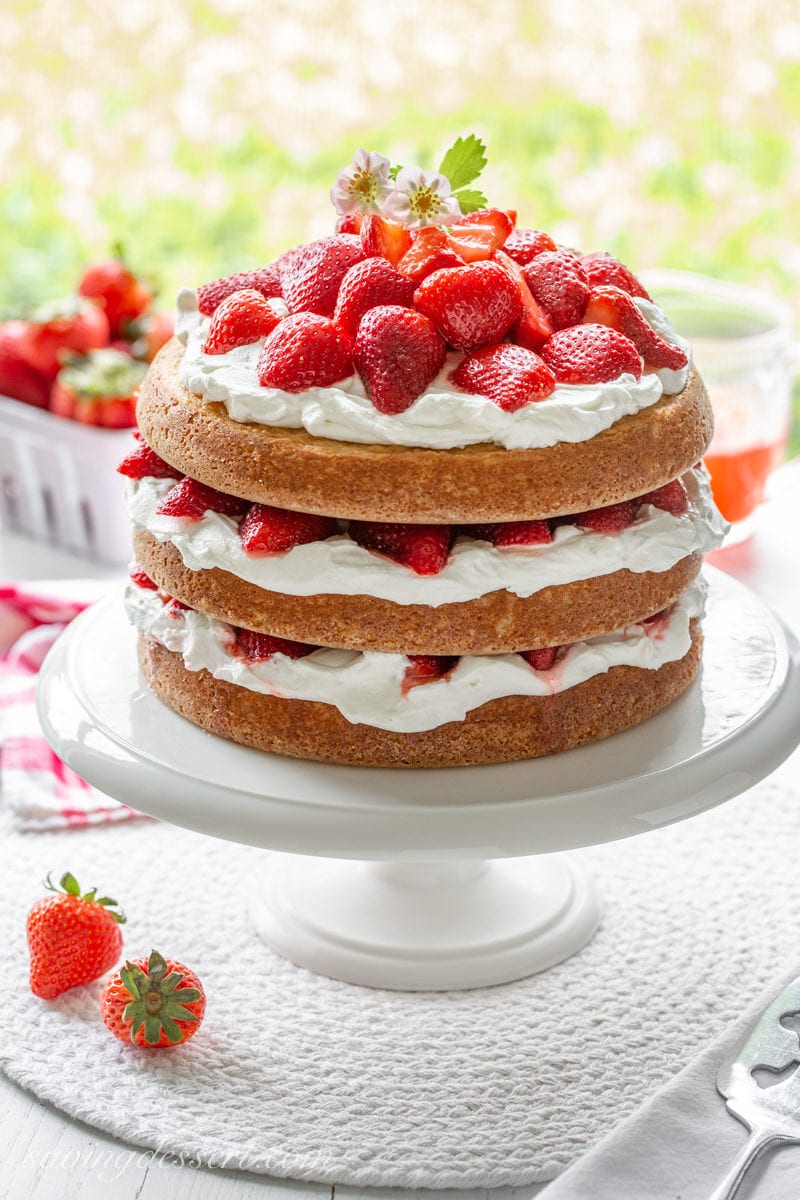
(501, 730)
(291, 469)
(494, 623)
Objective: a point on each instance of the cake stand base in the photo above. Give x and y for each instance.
(426, 926)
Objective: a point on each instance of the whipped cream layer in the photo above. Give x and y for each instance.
(339, 566)
(367, 688)
(442, 418)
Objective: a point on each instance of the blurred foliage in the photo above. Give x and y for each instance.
(204, 135)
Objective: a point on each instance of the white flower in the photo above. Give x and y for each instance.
(421, 198)
(363, 186)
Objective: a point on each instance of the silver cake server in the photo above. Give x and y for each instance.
(770, 1111)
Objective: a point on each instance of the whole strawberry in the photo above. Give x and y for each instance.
(73, 938)
(153, 1002)
(397, 353)
(265, 280)
(471, 306)
(240, 319)
(98, 389)
(311, 282)
(116, 289)
(18, 378)
(66, 326)
(304, 350)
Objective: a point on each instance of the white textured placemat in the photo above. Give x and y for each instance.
(297, 1075)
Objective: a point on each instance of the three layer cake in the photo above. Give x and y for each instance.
(423, 493)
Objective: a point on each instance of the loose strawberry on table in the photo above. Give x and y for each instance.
(269, 530)
(471, 306)
(509, 375)
(397, 353)
(265, 280)
(591, 354)
(153, 1002)
(73, 937)
(305, 350)
(240, 319)
(423, 548)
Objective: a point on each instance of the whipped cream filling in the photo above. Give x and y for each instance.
(442, 418)
(339, 566)
(367, 688)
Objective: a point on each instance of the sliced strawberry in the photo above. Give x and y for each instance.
(349, 222)
(240, 319)
(144, 462)
(366, 285)
(397, 353)
(268, 530)
(383, 237)
(265, 280)
(502, 220)
(430, 251)
(509, 375)
(18, 378)
(141, 578)
(522, 533)
(610, 519)
(557, 284)
(258, 647)
(602, 268)
(672, 497)
(591, 354)
(192, 500)
(614, 307)
(424, 668)
(542, 659)
(524, 244)
(423, 548)
(533, 327)
(303, 351)
(471, 306)
(311, 281)
(478, 235)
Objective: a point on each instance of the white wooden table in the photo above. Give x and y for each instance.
(44, 1154)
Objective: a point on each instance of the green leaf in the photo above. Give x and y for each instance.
(152, 1030)
(104, 900)
(395, 171)
(464, 161)
(133, 977)
(70, 884)
(170, 1028)
(471, 199)
(156, 968)
(179, 1013)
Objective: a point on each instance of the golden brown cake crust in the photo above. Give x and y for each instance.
(506, 730)
(291, 469)
(495, 623)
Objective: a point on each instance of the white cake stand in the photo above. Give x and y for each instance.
(442, 898)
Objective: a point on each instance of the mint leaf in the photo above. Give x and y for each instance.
(464, 161)
(471, 199)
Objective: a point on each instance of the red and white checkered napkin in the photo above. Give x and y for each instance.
(39, 789)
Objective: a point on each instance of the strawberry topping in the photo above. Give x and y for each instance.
(533, 327)
(303, 351)
(524, 244)
(522, 533)
(423, 548)
(424, 668)
(265, 280)
(258, 647)
(611, 519)
(471, 306)
(240, 319)
(672, 497)
(397, 353)
(591, 354)
(478, 235)
(542, 659)
(511, 376)
(557, 284)
(430, 251)
(312, 277)
(268, 530)
(366, 285)
(614, 307)
(143, 462)
(192, 500)
(141, 578)
(385, 238)
(602, 268)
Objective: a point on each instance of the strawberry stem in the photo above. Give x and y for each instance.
(157, 1002)
(68, 885)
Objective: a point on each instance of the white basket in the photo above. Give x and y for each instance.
(58, 482)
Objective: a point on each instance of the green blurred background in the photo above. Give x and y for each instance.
(204, 134)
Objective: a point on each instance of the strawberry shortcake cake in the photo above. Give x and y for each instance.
(426, 492)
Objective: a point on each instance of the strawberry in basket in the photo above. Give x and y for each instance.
(61, 327)
(99, 389)
(122, 296)
(18, 378)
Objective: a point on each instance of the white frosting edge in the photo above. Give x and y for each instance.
(441, 418)
(339, 566)
(366, 688)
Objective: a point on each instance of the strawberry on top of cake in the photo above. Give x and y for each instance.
(430, 319)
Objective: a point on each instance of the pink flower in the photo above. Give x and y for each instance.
(421, 198)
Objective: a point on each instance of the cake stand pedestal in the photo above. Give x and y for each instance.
(459, 883)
